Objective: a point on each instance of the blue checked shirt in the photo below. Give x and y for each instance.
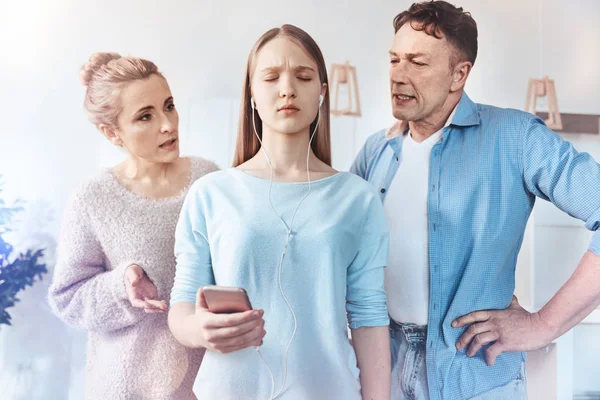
(484, 177)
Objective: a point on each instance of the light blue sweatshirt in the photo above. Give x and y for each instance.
(333, 276)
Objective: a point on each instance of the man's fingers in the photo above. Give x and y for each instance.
(470, 333)
(492, 352)
(481, 340)
(471, 318)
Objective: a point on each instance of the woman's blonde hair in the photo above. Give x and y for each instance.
(104, 75)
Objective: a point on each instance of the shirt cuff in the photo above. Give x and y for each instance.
(595, 243)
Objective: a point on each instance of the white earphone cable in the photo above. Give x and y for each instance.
(288, 237)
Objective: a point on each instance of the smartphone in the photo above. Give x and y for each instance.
(226, 300)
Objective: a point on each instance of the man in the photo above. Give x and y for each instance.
(459, 181)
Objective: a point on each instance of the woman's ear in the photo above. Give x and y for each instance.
(323, 90)
(110, 134)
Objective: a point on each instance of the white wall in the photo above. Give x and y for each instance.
(47, 145)
(586, 371)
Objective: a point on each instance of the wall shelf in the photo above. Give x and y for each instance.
(576, 123)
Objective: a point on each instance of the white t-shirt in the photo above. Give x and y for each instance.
(405, 206)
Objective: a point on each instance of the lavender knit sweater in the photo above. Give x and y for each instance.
(131, 355)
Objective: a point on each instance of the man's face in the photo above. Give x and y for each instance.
(420, 74)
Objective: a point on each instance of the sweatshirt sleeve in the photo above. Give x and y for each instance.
(192, 250)
(366, 297)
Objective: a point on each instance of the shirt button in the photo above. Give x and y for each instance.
(382, 190)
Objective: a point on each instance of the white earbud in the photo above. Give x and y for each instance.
(252, 102)
(321, 100)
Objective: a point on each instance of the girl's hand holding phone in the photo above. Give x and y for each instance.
(226, 332)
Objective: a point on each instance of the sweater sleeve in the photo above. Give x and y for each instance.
(83, 292)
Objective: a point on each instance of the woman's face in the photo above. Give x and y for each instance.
(285, 86)
(148, 124)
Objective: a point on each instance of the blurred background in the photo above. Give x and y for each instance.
(47, 145)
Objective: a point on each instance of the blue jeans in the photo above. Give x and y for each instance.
(409, 372)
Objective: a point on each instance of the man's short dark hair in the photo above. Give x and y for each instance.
(442, 19)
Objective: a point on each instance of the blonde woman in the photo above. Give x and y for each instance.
(115, 263)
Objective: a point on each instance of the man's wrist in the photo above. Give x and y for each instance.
(545, 325)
